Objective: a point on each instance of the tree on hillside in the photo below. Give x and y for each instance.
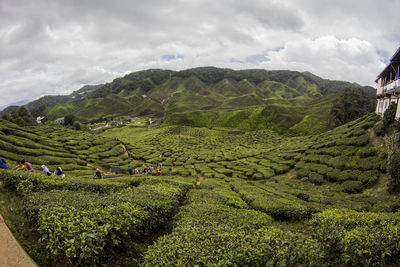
(350, 105)
(39, 111)
(394, 169)
(20, 116)
(389, 115)
(69, 119)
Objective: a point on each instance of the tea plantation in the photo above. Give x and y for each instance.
(224, 197)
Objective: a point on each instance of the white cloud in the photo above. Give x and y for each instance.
(327, 56)
(55, 46)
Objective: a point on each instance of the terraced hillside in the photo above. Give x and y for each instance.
(78, 153)
(225, 198)
(287, 102)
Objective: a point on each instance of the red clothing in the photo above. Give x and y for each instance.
(158, 173)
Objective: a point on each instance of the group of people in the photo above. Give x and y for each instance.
(145, 170)
(23, 165)
(26, 166)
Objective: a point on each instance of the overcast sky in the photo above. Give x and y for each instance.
(57, 46)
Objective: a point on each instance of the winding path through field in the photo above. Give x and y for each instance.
(11, 253)
(200, 179)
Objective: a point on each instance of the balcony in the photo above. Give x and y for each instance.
(389, 87)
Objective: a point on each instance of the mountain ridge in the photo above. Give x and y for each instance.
(179, 97)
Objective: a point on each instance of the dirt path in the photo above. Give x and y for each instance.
(376, 141)
(200, 178)
(291, 174)
(11, 253)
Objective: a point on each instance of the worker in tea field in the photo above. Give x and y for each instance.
(98, 174)
(45, 170)
(3, 164)
(159, 173)
(20, 167)
(59, 172)
(28, 165)
(130, 171)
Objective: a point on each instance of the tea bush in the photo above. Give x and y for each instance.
(352, 187)
(360, 238)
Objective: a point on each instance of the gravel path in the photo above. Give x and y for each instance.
(11, 253)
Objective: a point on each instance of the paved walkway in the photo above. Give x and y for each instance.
(11, 253)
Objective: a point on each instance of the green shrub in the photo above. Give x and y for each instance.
(347, 175)
(352, 187)
(358, 238)
(280, 168)
(315, 178)
(223, 245)
(379, 129)
(338, 162)
(389, 115)
(369, 177)
(333, 175)
(303, 196)
(394, 170)
(366, 152)
(82, 235)
(301, 173)
(266, 173)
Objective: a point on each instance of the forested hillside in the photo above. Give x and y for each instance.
(244, 100)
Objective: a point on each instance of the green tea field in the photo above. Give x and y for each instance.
(225, 198)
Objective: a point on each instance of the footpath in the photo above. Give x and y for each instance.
(11, 253)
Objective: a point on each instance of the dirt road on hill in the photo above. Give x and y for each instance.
(11, 253)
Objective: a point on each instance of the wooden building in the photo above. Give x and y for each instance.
(388, 89)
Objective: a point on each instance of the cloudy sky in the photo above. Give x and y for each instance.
(57, 46)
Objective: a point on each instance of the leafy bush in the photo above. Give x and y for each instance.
(315, 178)
(81, 235)
(333, 175)
(224, 245)
(389, 115)
(369, 177)
(394, 180)
(302, 173)
(347, 175)
(361, 238)
(352, 187)
(379, 129)
(366, 152)
(303, 196)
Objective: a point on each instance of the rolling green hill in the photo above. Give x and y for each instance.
(283, 101)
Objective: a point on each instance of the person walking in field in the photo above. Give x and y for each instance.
(130, 170)
(3, 164)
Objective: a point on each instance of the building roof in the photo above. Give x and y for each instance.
(394, 62)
